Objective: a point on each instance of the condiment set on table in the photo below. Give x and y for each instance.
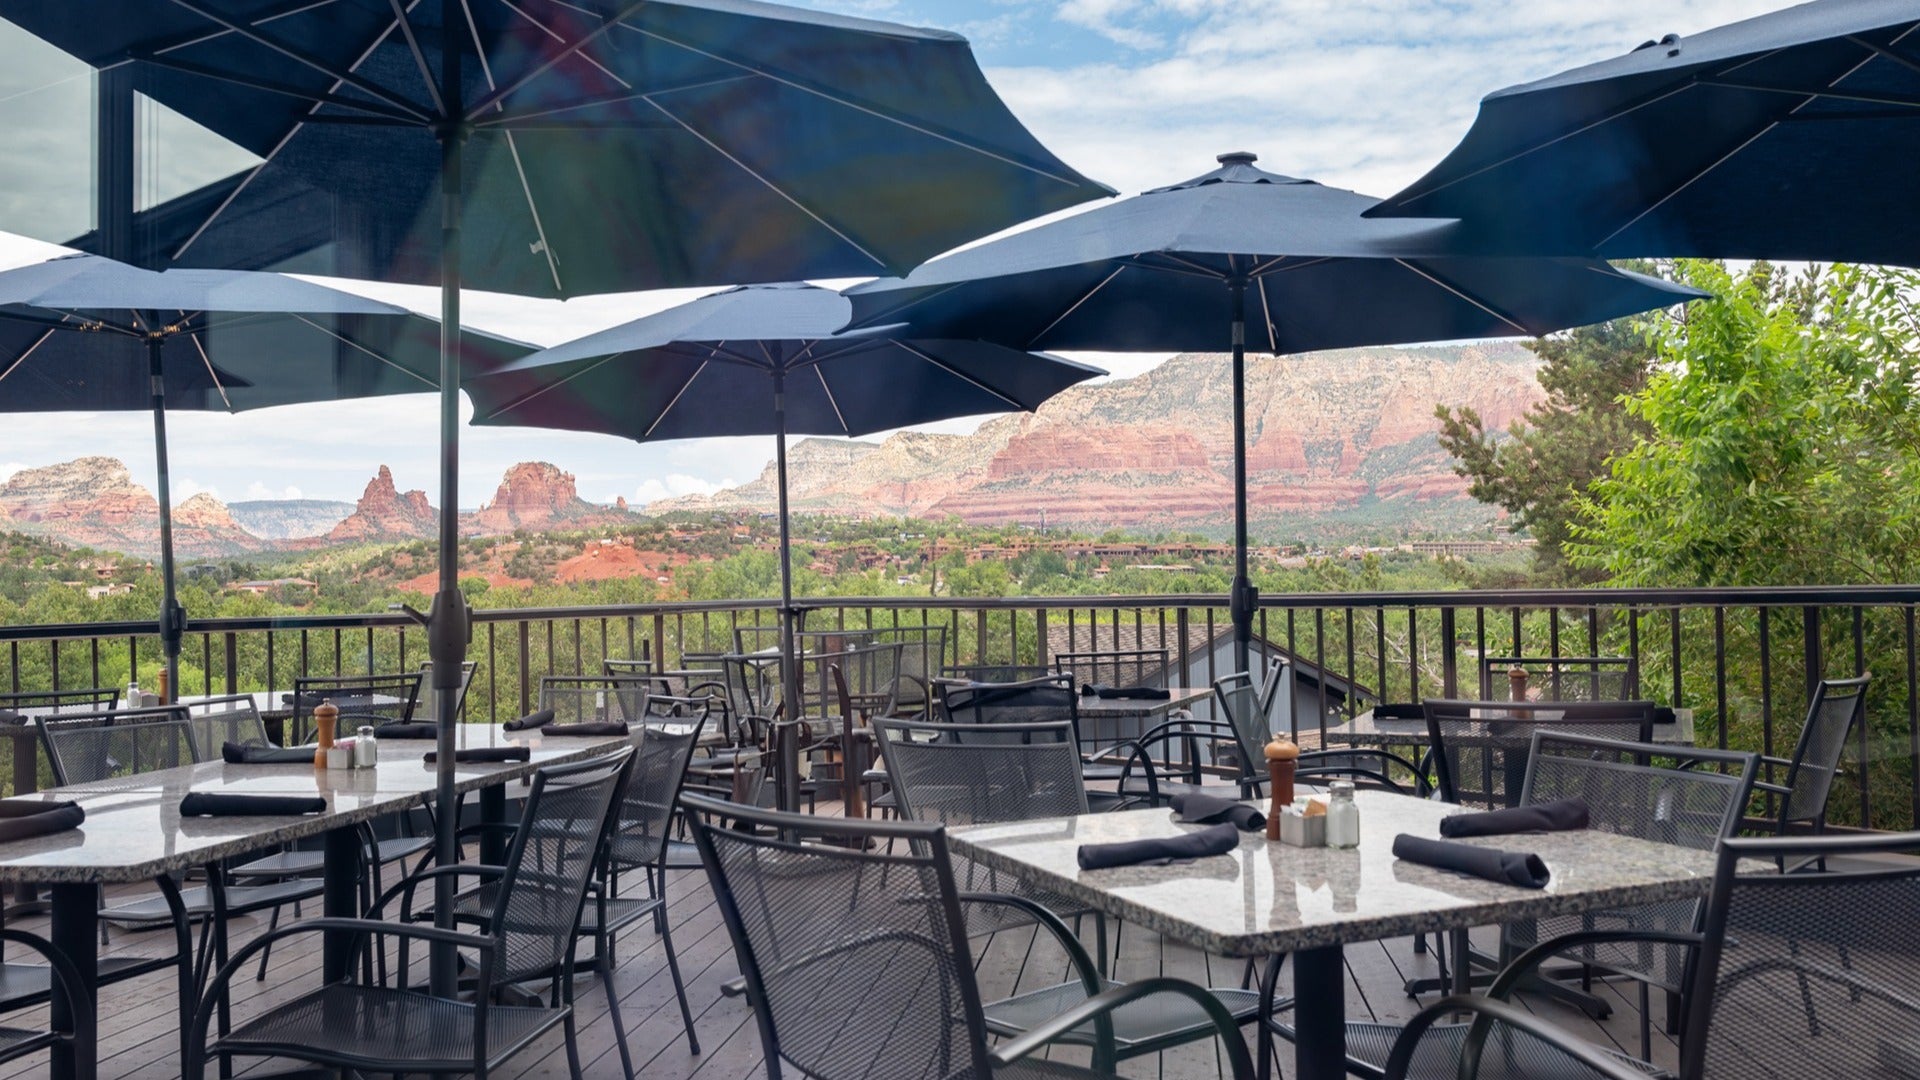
(1307, 821)
(357, 751)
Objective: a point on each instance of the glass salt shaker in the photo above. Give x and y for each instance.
(366, 750)
(1343, 817)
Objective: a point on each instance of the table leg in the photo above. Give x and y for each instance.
(493, 811)
(1320, 1014)
(26, 780)
(340, 898)
(75, 933)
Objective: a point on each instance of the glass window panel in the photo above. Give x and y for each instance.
(46, 112)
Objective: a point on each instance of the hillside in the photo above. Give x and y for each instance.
(94, 502)
(1338, 442)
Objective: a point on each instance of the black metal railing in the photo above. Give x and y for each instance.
(1743, 660)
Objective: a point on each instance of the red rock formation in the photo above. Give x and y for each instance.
(536, 495)
(93, 502)
(383, 513)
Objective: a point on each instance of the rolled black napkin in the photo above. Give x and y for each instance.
(1399, 711)
(23, 819)
(481, 754)
(1196, 809)
(1125, 693)
(590, 730)
(407, 731)
(1506, 867)
(1664, 715)
(531, 720)
(234, 753)
(1560, 816)
(1212, 840)
(203, 804)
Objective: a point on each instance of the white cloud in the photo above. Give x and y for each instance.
(185, 487)
(8, 468)
(674, 485)
(258, 490)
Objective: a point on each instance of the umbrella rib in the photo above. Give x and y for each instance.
(201, 37)
(585, 369)
(212, 372)
(568, 49)
(682, 392)
(1266, 308)
(1303, 264)
(479, 51)
(831, 400)
(961, 375)
(1811, 93)
(1468, 297)
(846, 103)
(266, 86)
(507, 116)
(1724, 158)
(533, 208)
(297, 56)
(770, 185)
(350, 343)
(1180, 265)
(1075, 306)
(557, 36)
(22, 358)
(1886, 52)
(419, 58)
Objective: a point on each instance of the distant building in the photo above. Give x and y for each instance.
(259, 588)
(1458, 548)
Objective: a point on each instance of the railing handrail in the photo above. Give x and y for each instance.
(1732, 596)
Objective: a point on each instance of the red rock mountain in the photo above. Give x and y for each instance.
(536, 495)
(383, 513)
(94, 502)
(1337, 442)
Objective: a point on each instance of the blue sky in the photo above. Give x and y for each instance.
(1363, 94)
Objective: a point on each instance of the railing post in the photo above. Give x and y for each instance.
(1449, 658)
(1816, 658)
(1180, 616)
(231, 645)
(1040, 650)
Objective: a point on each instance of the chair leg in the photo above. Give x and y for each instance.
(573, 1048)
(605, 968)
(273, 920)
(679, 988)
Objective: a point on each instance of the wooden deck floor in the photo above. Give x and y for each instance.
(139, 1035)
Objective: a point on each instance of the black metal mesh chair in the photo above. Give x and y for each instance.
(428, 706)
(1562, 678)
(528, 937)
(1802, 974)
(583, 699)
(922, 648)
(361, 699)
(1838, 704)
(1125, 667)
(20, 707)
(1478, 749)
(1045, 699)
(62, 978)
(857, 962)
(995, 673)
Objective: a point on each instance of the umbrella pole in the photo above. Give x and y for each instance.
(787, 748)
(1244, 597)
(172, 617)
(449, 624)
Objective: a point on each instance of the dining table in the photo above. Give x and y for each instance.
(1267, 899)
(1115, 719)
(134, 832)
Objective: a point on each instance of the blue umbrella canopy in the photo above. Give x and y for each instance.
(1190, 266)
(763, 360)
(609, 145)
(1794, 135)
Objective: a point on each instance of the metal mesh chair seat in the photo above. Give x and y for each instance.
(305, 862)
(30, 984)
(241, 900)
(1030, 1069)
(1512, 1055)
(430, 1034)
(1139, 1027)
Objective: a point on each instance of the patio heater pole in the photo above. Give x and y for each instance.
(786, 745)
(173, 617)
(1244, 596)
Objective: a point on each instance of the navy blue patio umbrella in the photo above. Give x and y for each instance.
(1178, 268)
(83, 333)
(561, 149)
(1793, 135)
(763, 360)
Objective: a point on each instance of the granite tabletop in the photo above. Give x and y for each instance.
(1366, 730)
(134, 830)
(1264, 898)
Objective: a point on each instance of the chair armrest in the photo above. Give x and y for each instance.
(1777, 789)
(426, 873)
(1099, 1009)
(1083, 964)
(1539, 954)
(1487, 1012)
(66, 978)
(1767, 759)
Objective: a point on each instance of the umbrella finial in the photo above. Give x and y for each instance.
(1238, 157)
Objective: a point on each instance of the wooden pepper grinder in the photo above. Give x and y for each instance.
(1516, 683)
(324, 718)
(1283, 757)
(166, 690)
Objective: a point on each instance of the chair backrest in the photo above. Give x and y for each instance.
(1276, 695)
(428, 706)
(1637, 790)
(1046, 699)
(645, 816)
(1239, 704)
(871, 672)
(1479, 748)
(1808, 974)
(1114, 667)
(921, 649)
(29, 703)
(1562, 678)
(855, 956)
(98, 746)
(581, 699)
(995, 673)
(553, 856)
(361, 699)
(960, 774)
(230, 719)
(1837, 705)
(628, 669)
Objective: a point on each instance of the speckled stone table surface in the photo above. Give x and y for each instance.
(1264, 898)
(1178, 697)
(1366, 730)
(134, 830)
